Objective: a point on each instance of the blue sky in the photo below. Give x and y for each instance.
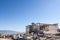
(16, 14)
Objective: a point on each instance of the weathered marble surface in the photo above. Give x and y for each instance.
(5, 39)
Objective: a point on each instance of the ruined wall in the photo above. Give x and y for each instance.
(52, 29)
(47, 28)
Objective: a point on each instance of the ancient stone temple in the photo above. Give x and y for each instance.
(42, 27)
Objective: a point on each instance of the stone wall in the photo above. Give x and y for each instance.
(47, 28)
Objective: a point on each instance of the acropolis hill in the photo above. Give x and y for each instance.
(36, 31)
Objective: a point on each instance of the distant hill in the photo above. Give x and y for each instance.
(8, 32)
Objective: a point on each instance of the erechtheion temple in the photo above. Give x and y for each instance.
(42, 27)
(44, 31)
